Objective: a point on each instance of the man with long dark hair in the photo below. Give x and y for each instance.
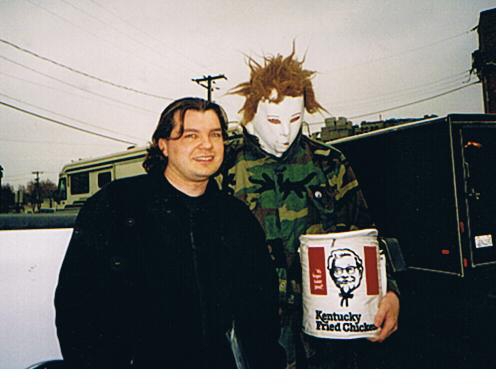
(162, 267)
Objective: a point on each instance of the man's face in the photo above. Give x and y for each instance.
(277, 125)
(346, 273)
(198, 153)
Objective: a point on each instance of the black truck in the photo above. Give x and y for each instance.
(432, 185)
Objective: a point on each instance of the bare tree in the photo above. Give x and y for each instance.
(38, 191)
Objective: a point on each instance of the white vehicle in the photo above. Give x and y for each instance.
(81, 179)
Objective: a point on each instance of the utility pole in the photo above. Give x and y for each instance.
(209, 80)
(484, 59)
(37, 189)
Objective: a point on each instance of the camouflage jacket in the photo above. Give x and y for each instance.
(311, 189)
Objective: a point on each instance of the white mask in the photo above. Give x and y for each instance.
(277, 125)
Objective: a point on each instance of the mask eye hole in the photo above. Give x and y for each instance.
(295, 119)
(273, 120)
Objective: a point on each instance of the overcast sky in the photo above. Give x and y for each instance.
(369, 56)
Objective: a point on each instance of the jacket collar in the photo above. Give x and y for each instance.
(166, 188)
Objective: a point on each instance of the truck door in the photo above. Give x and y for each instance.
(479, 149)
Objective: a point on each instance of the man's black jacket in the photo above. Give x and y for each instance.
(151, 279)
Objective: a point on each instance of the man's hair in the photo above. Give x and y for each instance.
(155, 160)
(283, 74)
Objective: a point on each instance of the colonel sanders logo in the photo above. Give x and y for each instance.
(346, 270)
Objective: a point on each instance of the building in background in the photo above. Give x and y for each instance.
(368, 126)
(337, 128)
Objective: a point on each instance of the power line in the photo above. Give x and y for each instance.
(20, 175)
(9, 179)
(112, 104)
(79, 72)
(115, 29)
(400, 98)
(209, 80)
(75, 86)
(415, 102)
(65, 124)
(395, 97)
(99, 38)
(405, 90)
(13, 179)
(400, 53)
(116, 15)
(49, 142)
(67, 117)
(407, 104)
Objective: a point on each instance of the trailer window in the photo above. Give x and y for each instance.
(104, 178)
(80, 183)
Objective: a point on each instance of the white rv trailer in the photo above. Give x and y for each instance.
(81, 179)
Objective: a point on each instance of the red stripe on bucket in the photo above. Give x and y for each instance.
(317, 270)
(371, 272)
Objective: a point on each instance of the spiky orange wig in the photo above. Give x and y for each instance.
(283, 74)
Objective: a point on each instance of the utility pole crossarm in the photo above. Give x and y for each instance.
(209, 80)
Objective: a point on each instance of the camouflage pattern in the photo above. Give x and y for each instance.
(311, 189)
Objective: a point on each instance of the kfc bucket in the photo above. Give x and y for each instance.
(344, 278)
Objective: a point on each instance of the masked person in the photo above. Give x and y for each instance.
(162, 266)
(295, 186)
